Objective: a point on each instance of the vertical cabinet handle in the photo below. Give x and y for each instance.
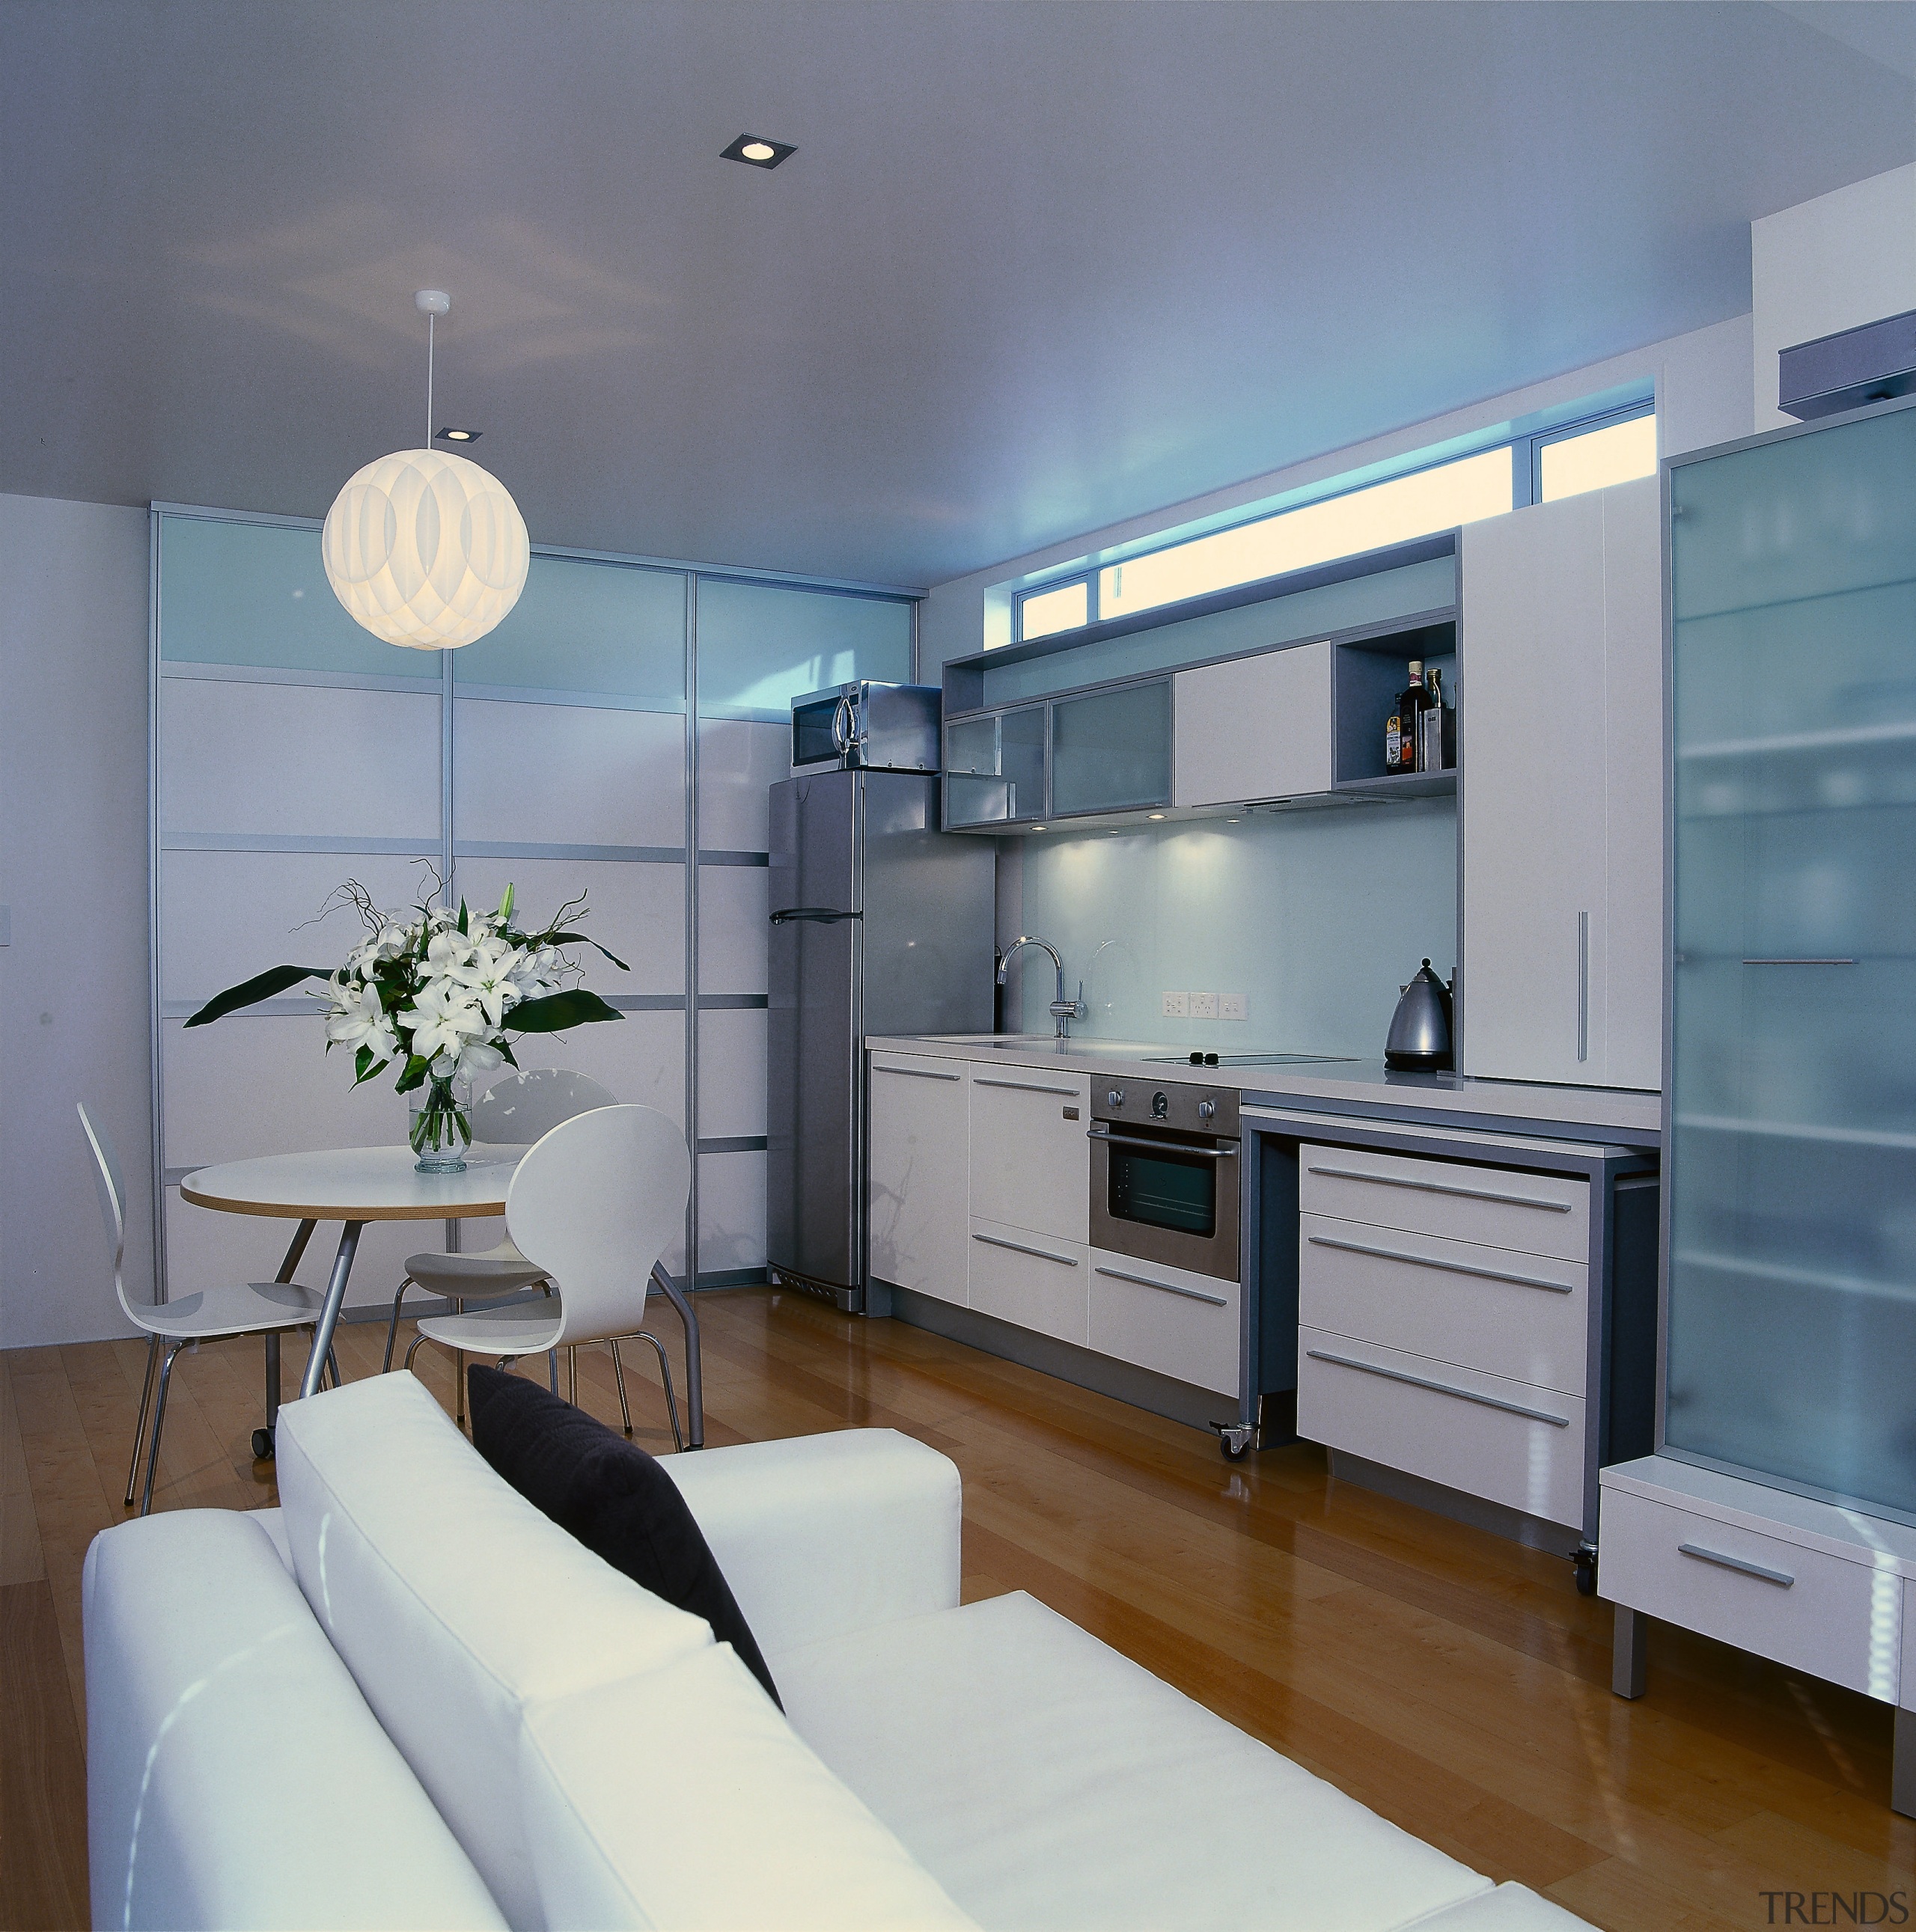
(1583, 987)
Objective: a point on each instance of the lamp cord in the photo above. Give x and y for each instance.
(430, 319)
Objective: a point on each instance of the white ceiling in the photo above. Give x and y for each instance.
(1034, 269)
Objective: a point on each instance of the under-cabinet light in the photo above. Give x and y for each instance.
(756, 151)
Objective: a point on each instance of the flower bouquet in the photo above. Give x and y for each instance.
(436, 992)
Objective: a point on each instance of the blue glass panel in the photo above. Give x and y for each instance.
(256, 594)
(760, 645)
(1792, 1315)
(611, 629)
(1112, 749)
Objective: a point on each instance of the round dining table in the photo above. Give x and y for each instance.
(352, 1186)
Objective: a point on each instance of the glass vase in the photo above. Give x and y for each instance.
(438, 1124)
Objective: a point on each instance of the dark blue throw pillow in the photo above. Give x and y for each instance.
(611, 1496)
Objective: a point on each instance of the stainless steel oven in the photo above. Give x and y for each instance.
(1164, 1174)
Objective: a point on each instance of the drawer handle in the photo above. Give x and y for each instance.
(1442, 1388)
(916, 1072)
(1018, 1086)
(1799, 962)
(1223, 1151)
(1169, 1287)
(1019, 1247)
(1447, 1187)
(1449, 1267)
(1743, 1564)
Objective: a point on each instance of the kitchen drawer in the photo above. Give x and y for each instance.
(1182, 1324)
(1835, 1619)
(1534, 1213)
(1031, 1162)
(1485, 1435)
(1037, 1281)
(1518, 1316)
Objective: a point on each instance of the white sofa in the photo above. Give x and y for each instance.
(408, 1699)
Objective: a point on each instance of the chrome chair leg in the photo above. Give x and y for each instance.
(666, 1376)
(332, 1362)
(552, 1369)
(418, 1342)
(694, 1379)
(159, 1422)
(572, 1376)
(619, 1377)
(393, 1327)
(146, 1403)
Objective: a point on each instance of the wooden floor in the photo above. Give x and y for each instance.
(1453, 1682)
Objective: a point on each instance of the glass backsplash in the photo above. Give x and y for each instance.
(1317, 917)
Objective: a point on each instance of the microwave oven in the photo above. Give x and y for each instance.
(877, 727)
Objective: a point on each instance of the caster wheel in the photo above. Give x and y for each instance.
(1231, 1455)
(1584, 1562)
(263, 1445)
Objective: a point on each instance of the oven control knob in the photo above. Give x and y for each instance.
(1115, 1098)
(1161, 1106)
(1206, 1109)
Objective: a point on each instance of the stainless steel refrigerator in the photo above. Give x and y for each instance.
(880, 924)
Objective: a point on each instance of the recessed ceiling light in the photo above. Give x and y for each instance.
(1037, 828)
(756, 151)
(458, 435)
(1153, 815)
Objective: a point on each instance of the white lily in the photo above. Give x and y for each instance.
(488, 977)
(442, 1019)
(447, 948)
(357, 1021)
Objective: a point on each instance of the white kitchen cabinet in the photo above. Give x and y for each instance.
(919, 1174)
(1037, 1281)
(1560, 978)
(1168, 1319)
(1030, 1160)
(1255, 728)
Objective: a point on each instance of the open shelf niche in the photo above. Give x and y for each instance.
(1368, 674)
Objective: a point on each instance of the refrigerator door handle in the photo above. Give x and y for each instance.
(816, 915)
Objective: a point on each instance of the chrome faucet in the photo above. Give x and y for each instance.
(1063, 1011)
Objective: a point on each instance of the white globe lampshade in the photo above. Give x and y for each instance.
(426, 550)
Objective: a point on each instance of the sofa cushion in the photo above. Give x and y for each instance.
(453, 1602)
(235, 1777)
(684, 1800)
(611, 1494)
(1047, 1782)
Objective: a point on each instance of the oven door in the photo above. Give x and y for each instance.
(1169, 1198)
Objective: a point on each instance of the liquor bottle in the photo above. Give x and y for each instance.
(1434, 728)
(1411, 703)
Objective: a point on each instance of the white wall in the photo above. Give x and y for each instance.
(1702, 382)
(1836, 262)
(73, 985)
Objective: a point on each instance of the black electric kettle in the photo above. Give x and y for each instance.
(1419, 1038)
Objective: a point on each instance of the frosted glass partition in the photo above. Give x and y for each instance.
(589, 628)
(1112, 749)
(761, 645)
(256, 594)
(1791, 1343)
(292, 750)
(1409, 590)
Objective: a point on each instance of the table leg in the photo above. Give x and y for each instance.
(342, 1266)
(695, 1383)
(296, 1252)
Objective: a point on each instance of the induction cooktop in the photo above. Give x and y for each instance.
(1200, 1059)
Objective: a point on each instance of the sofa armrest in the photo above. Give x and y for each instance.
(235, 1776)
(819, 1535)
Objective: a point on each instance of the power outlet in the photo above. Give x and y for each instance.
(1233, 1006)
(1177, 1006)
(1204, 1006)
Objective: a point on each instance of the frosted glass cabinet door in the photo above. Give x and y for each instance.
(1792, 1317)
(1112, 749)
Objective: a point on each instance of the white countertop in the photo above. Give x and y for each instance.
(1367, 1083)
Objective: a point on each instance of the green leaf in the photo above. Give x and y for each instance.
(415, 1075)
(557, 1011)
(462, 919)
(263, 986)
(580, 939)
(366, 1072)
(505, 1047)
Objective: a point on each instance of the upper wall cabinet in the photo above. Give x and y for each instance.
(1562, 819)
(1256, 728)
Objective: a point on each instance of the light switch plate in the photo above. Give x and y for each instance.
(1177, 1006)
(1204, 1006)
(1233, 1006)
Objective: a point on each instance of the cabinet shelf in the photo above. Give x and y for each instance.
(1400, 784)
(1793, 1130)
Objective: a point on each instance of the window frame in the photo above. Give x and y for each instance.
(1526, 489)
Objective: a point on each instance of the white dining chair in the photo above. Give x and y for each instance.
(210, 1314)
(515, 1112)
(591, 1206)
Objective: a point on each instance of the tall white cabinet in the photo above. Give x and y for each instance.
(1561, 801)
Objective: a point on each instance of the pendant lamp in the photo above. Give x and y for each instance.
(424, 548)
